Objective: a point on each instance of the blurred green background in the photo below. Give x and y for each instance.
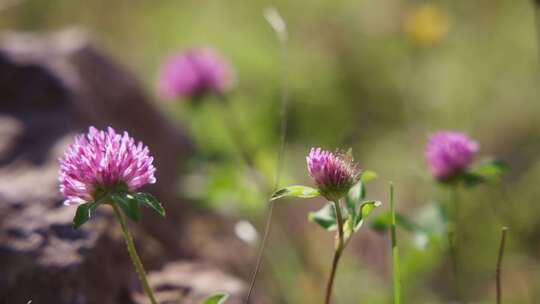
(374, 75)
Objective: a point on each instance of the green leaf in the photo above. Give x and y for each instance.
(489, 170)
(218, 298)
(354, 197)
(358, 191)
(325, 217)
(383, 221)
(128, 204)
(100, 194)
(83, 214)
(368, 176)
(364, 211)
(368, 206)
(147, 199)
(429, 224)
(295, 191)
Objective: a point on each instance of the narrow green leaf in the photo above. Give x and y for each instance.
(364, 211)
(396, 275)
(295, 191)
(348, 228)
(362, 190)
(325, 217)
(128, 204)
(147, 199)
(218, 298)
(83, 214)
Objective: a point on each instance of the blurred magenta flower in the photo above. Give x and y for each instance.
(102, 160)
(449, 153)
(334, 174)
(194, 73)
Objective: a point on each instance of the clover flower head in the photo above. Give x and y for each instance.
(449, 153)
(103, 160)
(194, 73)
(333, 173)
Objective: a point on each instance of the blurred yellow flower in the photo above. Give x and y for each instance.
(426, 25)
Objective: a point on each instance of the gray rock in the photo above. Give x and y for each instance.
(191, 283)
(51, 88)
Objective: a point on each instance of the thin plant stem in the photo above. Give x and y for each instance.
(499, 264)
(337, 253)
(453, 242)
(396, 274)
(234, 129)
(453, 260)
(279, 26)
(134, 256)
(260, 255)
(330, 284)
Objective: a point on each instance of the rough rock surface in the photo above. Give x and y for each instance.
(52, 87)
(190, 283)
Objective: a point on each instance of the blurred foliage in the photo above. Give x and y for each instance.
(377, 76)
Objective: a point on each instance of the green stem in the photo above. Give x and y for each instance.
(282, 35)
(281, 32)
(499, 264)
(395, 250)
(337, 253)
(260, 255)
(453, 240)
(134, 256)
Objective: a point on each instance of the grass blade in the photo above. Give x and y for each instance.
(396, 274)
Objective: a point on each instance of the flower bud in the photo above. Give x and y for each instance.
(334, 174)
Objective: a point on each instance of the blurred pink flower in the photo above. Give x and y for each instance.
(103, 160)
(194, 73)
(449, 153)
(334, 174)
